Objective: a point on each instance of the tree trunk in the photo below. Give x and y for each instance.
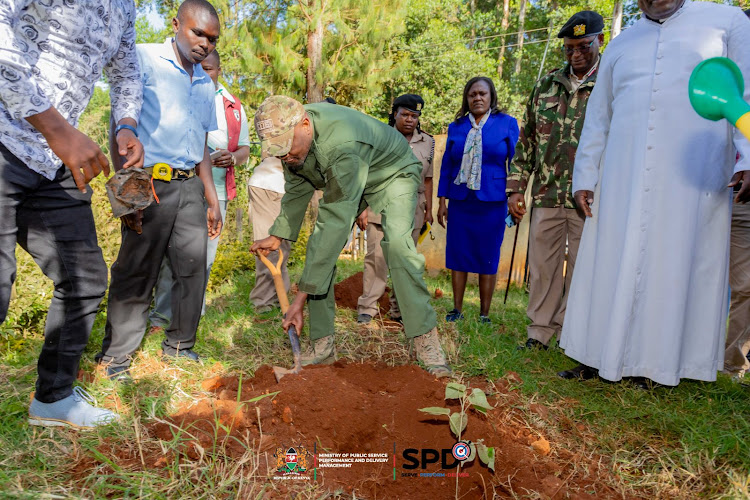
(314, 55)
(473, 5)
(616, 18)
(521, 21)
(504, 26)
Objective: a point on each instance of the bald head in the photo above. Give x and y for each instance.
(195, 6)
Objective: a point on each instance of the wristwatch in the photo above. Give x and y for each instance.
(234, 158)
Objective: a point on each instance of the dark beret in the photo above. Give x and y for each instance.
(412, 102)
(582, 24)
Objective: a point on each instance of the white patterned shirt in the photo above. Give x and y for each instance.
(52, 52)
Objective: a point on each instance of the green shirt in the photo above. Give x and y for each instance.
(353, 159)
(549, 139)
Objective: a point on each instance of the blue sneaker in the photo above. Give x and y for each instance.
(76, 411)
(453, 316)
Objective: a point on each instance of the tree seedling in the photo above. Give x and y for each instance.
(476, 400)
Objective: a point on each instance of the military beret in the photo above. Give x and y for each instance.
(582, 24)
(412, 102)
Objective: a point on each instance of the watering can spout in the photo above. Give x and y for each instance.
(716, 87)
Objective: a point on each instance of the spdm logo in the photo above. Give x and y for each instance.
(419, 460)
(292, 461)
(461, 451)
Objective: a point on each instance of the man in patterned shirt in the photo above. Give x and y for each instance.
(547, 149)
(52, 53)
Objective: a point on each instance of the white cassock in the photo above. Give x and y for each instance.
(649, 291)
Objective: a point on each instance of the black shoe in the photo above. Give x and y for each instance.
(453, 315)
(119, 373)
(580, 372)
(533, 344)
(363, 319)
(643, 383)
(484, 319)
(183, 353)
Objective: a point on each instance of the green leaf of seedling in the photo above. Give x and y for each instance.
(454, 390)
(436, 410)
(486, 455)
(472, 455)
(479, 400)
(458, 423)
(258, 398)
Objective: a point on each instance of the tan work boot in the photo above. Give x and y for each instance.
(431, 354)
(320, 352)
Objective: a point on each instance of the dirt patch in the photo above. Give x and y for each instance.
(365, 409)
(348, 291)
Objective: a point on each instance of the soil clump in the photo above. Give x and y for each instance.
(348, 291)
(364, 408)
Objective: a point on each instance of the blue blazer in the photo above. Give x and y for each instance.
(499, 136)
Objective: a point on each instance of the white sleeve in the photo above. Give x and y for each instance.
(244, 132)
(20, 91)
(737, 52)
(595, 129)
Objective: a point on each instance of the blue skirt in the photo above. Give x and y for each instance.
(475, 233)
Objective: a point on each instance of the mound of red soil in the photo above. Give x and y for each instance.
(348, 291)
(365, 409)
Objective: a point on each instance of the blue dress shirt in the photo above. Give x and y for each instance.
(499, 136)
(177, 112)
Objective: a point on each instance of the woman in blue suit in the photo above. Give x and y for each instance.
(481, 143)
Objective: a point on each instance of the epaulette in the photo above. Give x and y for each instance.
(432, 150)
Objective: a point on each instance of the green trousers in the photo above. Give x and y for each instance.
(407, 274)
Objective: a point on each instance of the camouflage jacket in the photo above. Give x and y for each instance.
(549, 139)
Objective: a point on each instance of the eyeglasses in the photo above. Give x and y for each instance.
(584, 48)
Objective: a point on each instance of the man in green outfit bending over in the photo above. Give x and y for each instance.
(356, 161)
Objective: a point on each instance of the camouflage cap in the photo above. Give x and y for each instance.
(275, 121)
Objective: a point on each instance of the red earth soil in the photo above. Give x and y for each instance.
(348, 291)
(365, 408)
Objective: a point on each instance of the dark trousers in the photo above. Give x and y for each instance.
(52, 221)
(175, 227)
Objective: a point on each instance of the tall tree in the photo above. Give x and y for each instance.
(521, 23)
(314, 10)
(504, 27)
(616, 19)
(325, 47)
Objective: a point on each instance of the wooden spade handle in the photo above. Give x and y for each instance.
(278, 281)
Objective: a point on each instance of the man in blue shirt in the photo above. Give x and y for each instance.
(178, 112)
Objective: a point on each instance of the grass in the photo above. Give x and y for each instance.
(683, 442)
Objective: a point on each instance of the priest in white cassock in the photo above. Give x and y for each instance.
(649, 293)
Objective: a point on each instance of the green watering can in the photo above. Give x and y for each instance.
(715, 88)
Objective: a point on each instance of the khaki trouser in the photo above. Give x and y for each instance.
(548, 288)
(264, 207)
(738, 334)
(375, 275)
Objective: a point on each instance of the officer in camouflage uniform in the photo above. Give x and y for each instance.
(357, 161)
(547, 148)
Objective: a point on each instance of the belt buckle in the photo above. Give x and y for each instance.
(162, 172)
